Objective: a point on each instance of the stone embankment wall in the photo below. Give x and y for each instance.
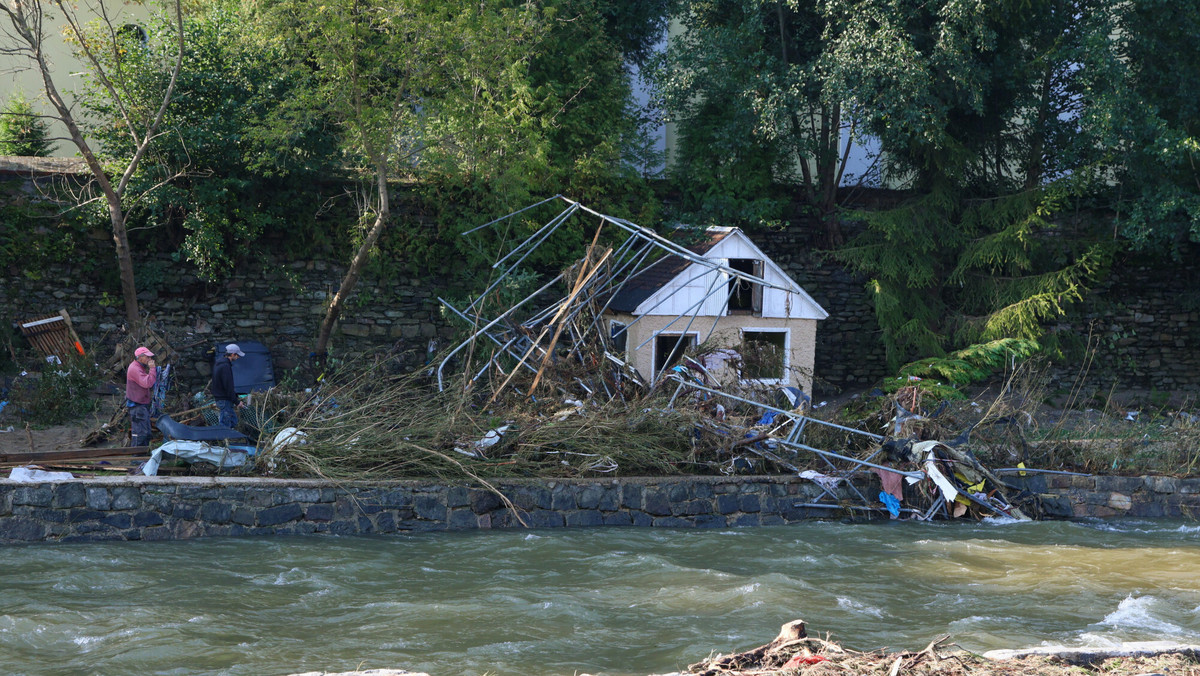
(1139, 329)
(273, 301)
(152, 508)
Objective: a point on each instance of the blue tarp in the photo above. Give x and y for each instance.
(251, 373)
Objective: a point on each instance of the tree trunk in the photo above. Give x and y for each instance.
(360, 258)
(27, 19)
(830, 164)
(111, 196)
(125, 263)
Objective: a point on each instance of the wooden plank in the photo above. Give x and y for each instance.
(47, 334)
(73, 454)
(122, 464)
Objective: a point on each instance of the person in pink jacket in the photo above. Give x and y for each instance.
(139, 381)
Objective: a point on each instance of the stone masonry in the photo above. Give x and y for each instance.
(1141, 324)
(157, 508)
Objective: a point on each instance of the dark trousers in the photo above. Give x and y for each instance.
(227, 414)
(139, 425)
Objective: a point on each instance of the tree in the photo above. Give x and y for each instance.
(220, 180)
(766, 64)
(1144, 113)
(22, 132)
(571, 129)
(988, 129)
(26, 35)
(406, 82)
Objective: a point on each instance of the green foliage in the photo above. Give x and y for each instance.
(1144, 115)
(22, 132)
(987, 131)
(559, 122)
(947, 272)
(34, 232)
(747, 81)
(948, 91)
(217, 183)
(969, 365)
(56, 395)
(281, 108)
(634, 27)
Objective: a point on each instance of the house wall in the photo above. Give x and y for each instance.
(776, 302)
(801, 340)
(19, 74)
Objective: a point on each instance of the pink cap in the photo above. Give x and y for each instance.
(142, 351)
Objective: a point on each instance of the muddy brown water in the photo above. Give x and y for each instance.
(615, 601)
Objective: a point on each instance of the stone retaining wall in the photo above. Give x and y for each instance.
(1140, 325)
(155, 508)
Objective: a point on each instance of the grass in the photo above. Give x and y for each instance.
(372, 421)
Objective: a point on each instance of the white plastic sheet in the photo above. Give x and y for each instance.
(195, 450)
(32, 475)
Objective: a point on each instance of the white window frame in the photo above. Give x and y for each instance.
(787, 353)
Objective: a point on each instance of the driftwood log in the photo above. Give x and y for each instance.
(792, 646)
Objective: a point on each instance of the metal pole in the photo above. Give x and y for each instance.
(493, 222)
(788, 413)
(475, 335)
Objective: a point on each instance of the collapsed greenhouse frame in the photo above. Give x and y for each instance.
(575, 319)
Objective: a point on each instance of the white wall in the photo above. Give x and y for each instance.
(20, 74)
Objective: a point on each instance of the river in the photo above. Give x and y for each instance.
(613, 601)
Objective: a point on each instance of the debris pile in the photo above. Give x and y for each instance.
(543, 386)
(547, 385)
(793, 652)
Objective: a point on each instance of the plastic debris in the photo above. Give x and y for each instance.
(194, 451)
(34, 475)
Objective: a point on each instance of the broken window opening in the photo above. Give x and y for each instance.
(764, 355)
(618, 337)
(745, 297)
(669, 349)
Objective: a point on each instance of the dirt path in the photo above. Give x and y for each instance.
(16, 436)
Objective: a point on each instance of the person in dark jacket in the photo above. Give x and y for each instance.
(222, 386)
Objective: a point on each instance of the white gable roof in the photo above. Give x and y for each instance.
(704, 285)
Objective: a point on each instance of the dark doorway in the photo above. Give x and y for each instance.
(669, 349)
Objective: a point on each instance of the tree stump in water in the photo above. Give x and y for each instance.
(777, 651)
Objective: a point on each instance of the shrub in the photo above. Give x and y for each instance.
(22, 132)
(56, 395)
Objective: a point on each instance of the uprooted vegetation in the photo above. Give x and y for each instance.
(794, 653)
(371, 422)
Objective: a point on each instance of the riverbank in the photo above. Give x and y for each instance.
(1149, 661)
(793, 653)
(169, 508)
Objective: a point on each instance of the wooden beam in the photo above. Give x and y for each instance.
(74, 454)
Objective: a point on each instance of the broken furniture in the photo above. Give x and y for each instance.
(173, 431)
(53, 336)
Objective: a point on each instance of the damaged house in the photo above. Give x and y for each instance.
(768, 331)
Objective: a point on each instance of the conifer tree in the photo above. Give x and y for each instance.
(22, 131)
